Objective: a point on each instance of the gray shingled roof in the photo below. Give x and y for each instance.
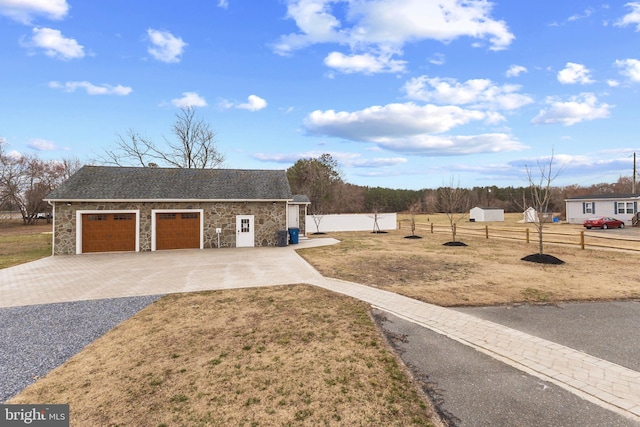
(132, 183)
(605, 196)
(301, 199)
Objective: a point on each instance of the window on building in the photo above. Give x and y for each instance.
(589, 208)
(625, 208)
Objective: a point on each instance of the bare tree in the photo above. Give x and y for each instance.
(454, 202)
(375, 216)
(194, 146)
(317, 219)
(413, 212)
(539, 194)
(26, 180)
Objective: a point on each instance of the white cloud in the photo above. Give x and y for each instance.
(613, 83)
(574, 73)
(583, 107)
(396, 120)
(55, 44)
(365, 63)
(516, 70)
(378, 162)
(344, 159)
(165, 46)
(587, 13)
(189, 100)
(41, 145)
(475, 92)
(630, 68)
(224, 4)
(452, 145)
(437, 59)
(578, 165)
(254, 103)
(316, 23)
(401, 21)
(632, 18)
(410, 128)
(383, 27)
(92, 89)
(24, 11)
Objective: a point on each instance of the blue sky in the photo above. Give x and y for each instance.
(403, 93)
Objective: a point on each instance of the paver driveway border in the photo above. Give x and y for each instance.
(97, 276)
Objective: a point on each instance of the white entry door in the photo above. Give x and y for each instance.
(244, 231)
(294, 216)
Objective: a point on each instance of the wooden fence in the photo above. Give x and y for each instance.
(574, 238)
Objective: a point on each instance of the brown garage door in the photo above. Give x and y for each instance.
(177, 230)
(108, 232)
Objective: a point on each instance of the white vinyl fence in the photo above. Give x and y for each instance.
(349, 222)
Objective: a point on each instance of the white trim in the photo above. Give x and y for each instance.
(167, 200)
(157, 211)
(79, 214)
(597, 199)
(53, 228)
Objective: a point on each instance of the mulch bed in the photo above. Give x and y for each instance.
(454, 244)
(543, 259)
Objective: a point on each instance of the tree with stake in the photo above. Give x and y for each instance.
(454, 202)
(538, 196)
(413, 211)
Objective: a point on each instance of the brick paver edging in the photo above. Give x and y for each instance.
(609, 385)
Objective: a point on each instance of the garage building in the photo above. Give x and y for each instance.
(107, 209)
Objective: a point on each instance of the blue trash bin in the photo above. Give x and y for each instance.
(293, 235)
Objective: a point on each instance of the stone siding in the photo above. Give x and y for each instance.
(269, 217)
(302, 219)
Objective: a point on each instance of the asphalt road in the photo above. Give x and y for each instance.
(473, 389)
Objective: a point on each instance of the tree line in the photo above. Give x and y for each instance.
(322, 181)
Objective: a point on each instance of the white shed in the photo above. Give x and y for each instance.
(531, 215)
(486, 214)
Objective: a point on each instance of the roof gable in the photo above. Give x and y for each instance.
(136, 183)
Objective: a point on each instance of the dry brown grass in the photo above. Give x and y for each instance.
(295, 355)
(486, 272)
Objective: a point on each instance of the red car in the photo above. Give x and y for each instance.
(603, 222)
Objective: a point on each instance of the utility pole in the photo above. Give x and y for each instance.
(633, 186)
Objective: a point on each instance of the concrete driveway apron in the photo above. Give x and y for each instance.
(112, 275)
(97, 276)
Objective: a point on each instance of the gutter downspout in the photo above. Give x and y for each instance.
(53, 227)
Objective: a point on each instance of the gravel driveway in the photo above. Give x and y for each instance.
(35, 339)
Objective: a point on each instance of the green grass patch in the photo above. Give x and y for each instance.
(20, 248)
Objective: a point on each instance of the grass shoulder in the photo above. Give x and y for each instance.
(23, 243)
(271, 356)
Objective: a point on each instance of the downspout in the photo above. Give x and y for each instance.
(286, 214)
(53, 227)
